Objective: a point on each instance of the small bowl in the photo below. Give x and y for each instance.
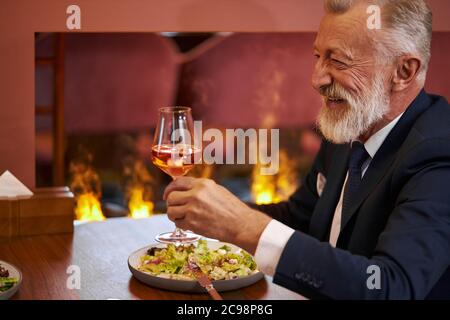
(14, 272)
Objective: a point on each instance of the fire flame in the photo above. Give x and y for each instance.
(88, 208)
(263, 188)
(275, 188)
(138, 188)
(85, 184)
(139, 208)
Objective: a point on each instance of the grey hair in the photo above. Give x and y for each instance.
(408, 26)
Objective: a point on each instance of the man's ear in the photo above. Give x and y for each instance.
(406, 72)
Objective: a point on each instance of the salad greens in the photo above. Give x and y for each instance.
(220, 264)
(6, 282)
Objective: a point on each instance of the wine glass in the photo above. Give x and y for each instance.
(174, 152)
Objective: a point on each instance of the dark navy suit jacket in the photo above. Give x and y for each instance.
(400, 222)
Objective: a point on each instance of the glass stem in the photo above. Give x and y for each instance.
(178, 233)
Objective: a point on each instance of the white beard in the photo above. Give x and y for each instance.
(351, 120)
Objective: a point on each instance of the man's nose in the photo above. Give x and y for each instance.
(321, 76)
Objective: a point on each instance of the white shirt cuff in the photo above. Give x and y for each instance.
(271, 245)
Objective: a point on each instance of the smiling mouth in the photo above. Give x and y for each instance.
(334, 100)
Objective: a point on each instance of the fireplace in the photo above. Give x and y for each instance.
(97, 97)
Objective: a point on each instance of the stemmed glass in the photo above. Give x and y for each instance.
(175, 153)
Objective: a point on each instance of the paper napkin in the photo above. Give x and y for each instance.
(12, 188)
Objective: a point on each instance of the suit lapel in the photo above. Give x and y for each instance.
(326, 206)
(386, 154)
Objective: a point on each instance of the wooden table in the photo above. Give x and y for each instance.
(101, 251)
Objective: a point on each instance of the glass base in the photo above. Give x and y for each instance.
(174, 237)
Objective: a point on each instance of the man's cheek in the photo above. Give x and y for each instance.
(351, 80)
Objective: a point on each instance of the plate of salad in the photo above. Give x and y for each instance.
(10, 280)
(167, 266)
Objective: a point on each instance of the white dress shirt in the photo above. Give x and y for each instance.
(276, 235)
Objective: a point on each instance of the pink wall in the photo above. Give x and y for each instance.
(253, 80)
(438, 74)
(19, 19)
(117, 81)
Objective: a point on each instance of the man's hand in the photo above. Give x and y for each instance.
(209, 209)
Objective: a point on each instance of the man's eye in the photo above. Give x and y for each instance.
(338, 62)
(317, 56)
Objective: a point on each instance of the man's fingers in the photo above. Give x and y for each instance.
(186, 224)
(176, 213)
(179, 184)
(182, 224)
(177, 198)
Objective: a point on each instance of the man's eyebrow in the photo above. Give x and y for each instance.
(344, 52)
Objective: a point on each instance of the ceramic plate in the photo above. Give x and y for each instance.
(188, 285)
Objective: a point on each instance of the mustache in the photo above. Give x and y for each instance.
(334, 90)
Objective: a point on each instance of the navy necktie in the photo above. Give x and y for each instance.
(358, 156)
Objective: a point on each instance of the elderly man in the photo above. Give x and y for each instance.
(372, 219)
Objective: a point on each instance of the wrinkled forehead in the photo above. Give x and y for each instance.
(346, 31)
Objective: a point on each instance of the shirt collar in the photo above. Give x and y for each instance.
(376, 140)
